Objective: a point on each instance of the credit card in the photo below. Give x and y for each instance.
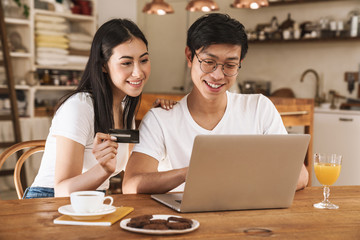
(125, 135)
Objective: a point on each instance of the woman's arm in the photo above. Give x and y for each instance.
(70, 160)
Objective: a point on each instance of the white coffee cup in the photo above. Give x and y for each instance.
(89, 201)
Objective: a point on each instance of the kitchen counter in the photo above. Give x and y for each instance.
(336, 111)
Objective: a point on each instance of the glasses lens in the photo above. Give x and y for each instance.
(208, 66)
(231, 69)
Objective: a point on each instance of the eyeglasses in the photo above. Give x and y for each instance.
(209, 66)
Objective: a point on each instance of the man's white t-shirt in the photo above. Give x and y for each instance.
(168, 136)
(75, 120)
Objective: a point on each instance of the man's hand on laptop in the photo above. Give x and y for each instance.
(142, 176)
(303, 179)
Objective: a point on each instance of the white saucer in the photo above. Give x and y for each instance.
(195, 225)
(68, 210)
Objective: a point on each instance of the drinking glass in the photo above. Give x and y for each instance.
(327, 170)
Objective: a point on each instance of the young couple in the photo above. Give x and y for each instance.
(108, 96)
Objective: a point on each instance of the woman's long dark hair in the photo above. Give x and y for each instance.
(98, 83)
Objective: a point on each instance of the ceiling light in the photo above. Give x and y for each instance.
(158, 7)
(263, 3)
(202, 6)
(253, 4)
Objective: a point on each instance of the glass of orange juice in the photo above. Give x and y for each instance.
(327, 170)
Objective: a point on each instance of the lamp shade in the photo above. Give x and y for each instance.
(158, 7)
(253, 4)
(202, 6)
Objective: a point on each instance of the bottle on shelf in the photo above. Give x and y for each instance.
(46, 78)
(56, 78)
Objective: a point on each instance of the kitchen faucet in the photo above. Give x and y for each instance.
(318, 100)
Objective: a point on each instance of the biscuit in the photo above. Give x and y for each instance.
(156, 226)
(178, 225)
(141, 217)
(177, 219)
(158, 221)
(138, 223)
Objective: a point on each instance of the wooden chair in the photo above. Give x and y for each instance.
(32, 147)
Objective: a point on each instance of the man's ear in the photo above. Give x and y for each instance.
(188, 55)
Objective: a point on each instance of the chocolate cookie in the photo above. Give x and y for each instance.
(156, 226)
(178, 225)
(141, 217)
(177, 219)
(138, 223)
(158, 221)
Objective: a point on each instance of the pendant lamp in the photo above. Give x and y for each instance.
(158, 7)
(253, 4)
(202, 6)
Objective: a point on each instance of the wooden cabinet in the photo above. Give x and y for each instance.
(147, 101)
(338, 131)
(299, 112)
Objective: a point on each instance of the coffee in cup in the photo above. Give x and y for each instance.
(89, 201)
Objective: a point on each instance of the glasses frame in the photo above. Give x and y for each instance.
(216, 66)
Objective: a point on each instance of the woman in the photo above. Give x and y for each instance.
(107, 97)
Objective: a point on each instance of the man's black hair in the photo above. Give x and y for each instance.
(216, 28)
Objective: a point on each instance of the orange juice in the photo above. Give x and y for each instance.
(327, 173)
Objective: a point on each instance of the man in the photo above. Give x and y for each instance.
(216, 47)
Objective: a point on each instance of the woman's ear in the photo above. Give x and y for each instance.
(104, 69)
(188, 55)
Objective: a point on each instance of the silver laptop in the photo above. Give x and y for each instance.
(238, 172)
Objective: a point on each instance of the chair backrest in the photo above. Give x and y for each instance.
(31, 147)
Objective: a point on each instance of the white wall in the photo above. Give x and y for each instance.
(108, 9)
(281, 63)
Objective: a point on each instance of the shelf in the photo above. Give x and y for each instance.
(315, 40)
(287, 2)
(17, 21)
(25, 65)
(52, 88)
(42, 87)
(20, 55)
(17, 87)
(62, 67)
(70, 16)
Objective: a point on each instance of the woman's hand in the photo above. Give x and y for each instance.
(105, 150)
(164, 103)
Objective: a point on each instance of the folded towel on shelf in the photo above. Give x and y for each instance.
(53, 56)
(47, 61)
(80, 45)
(79, 37)
(77, 59)
(48, 38)
(49, 33)
(51, 50)
(63, 27)
(52, 44)
(53, 19)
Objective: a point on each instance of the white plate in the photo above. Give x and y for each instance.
(68, 210)
(194, 226)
